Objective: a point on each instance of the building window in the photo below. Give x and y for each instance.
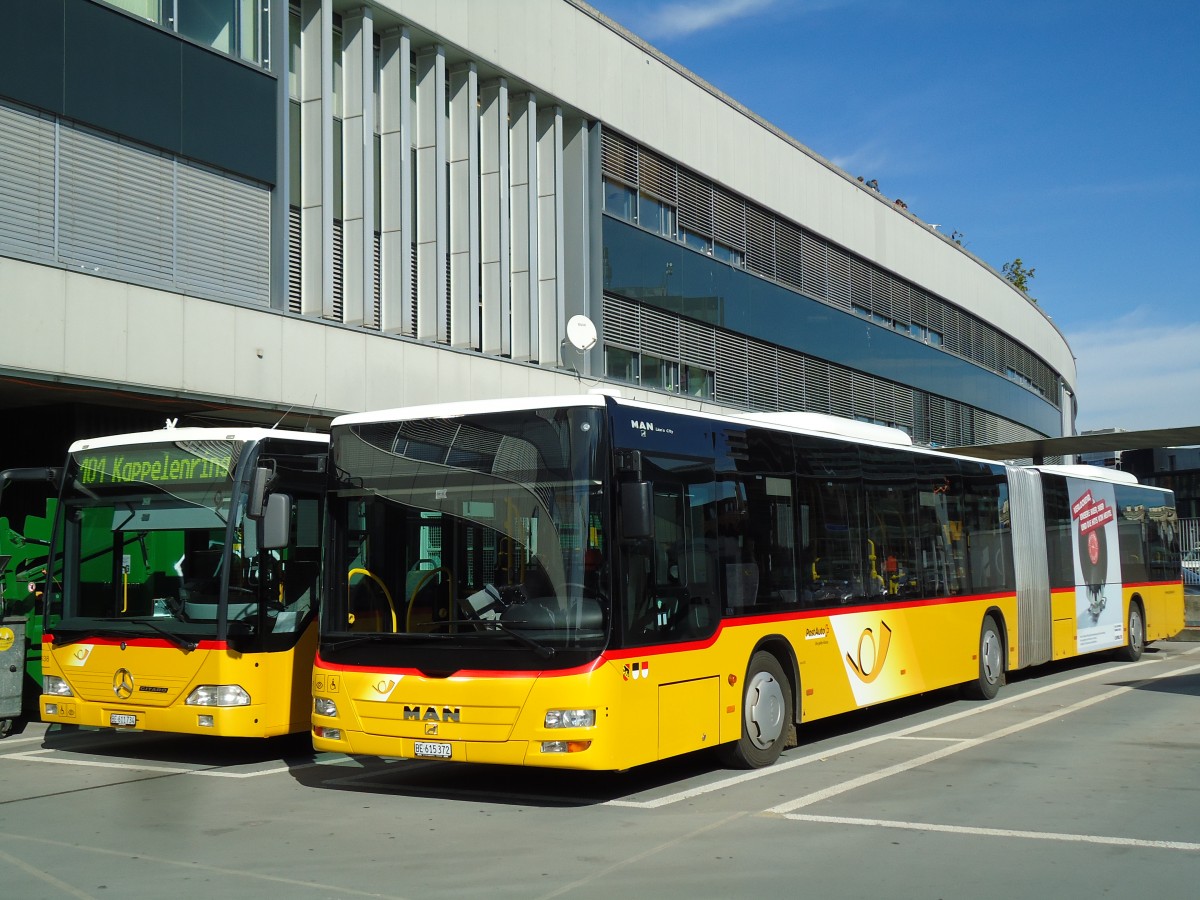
(696, 241)
(619, 200)
(729, 255)
(698, 382)
(238, 28)
(656, 216)
(660, 374)
(621, 364)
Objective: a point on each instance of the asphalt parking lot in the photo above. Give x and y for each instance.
(1079, 779)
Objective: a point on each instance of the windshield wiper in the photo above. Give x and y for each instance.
(178, 640)
(538, 647)
(74, 635)
(491, 626)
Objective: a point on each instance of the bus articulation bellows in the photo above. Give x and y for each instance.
(182, 586)
(595, 583)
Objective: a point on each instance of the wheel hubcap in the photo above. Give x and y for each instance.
(764, 710)
(989, 652)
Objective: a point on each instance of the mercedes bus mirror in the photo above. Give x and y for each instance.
(276, 522)
(258, 493)
(637, 509)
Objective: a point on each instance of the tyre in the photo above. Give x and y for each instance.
(991, 663)
(766, 715)
(1135, 635)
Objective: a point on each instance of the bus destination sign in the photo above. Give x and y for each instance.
(164, 464)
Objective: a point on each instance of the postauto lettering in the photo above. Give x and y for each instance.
(157, 467)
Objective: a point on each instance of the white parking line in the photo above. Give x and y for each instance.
(997, 832)
(831, 752)
(134, 766)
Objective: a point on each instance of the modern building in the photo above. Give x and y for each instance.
(255, 210)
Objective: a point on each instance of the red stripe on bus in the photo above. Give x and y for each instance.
(156, 642)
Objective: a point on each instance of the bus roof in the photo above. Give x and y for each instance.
(208, 433)
(818, 423)
(1095, 473)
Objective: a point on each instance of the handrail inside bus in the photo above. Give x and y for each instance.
(383, 587)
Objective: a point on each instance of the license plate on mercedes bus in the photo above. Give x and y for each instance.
(122, 720)
(431, 749)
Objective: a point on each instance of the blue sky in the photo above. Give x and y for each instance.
(1063, 132)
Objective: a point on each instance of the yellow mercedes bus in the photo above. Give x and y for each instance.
(595, 583)
(181, 588)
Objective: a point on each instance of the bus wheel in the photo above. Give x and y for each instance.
(766, 715)
(1135, 633)
(991, 663)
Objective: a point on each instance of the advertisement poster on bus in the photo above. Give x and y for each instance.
(1099, 618)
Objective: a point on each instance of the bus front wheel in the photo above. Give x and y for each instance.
(766, 715)
(991, 663)
(1135, 634)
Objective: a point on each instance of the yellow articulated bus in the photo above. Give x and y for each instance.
(182, 585)
(596, 583)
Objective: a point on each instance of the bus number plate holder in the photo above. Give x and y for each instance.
(122, 720)
(432, 749)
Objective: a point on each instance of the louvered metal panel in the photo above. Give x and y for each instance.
(695, 203)
(730, 376)
(697, 344)
(657, 176)
(901, 301)
(116, 208)
(295, 301)
(729, 219)
(791, 380)
(224, 236)
(815, 265)
(659, 333)
(375, 315)
(860, 283)
(760, 241)
(937, 421)
(881, 294)
(816, 386)
(919, 311)
(862, 391)
(414, 280)
(618, 156)
(26, 184)
(841, 391)
(338, 313)
(789, 254)
(902, 407)
(838, 288)
(762, 370)
(621, 322)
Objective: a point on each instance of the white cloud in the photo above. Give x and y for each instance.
(1137, 374)
(688, 17)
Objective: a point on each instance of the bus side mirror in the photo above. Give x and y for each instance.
(276, 522)
(258, 493)
(637, 509)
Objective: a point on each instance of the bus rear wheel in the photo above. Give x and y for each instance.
(1135, 635)
(766, 715)
(991, 663)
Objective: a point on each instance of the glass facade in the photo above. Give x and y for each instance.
(237, 28)
(677, 279)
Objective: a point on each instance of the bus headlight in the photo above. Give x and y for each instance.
(323, 706)
(570, 718)
(56, 687)
(218, 695)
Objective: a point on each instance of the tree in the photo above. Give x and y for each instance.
(1019, 276)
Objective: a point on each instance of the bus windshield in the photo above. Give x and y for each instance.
(484, 531)
(148, 546)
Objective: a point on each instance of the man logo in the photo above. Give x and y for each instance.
(123, 684)
(871, 657)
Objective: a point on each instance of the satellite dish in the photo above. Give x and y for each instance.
(581, 333)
